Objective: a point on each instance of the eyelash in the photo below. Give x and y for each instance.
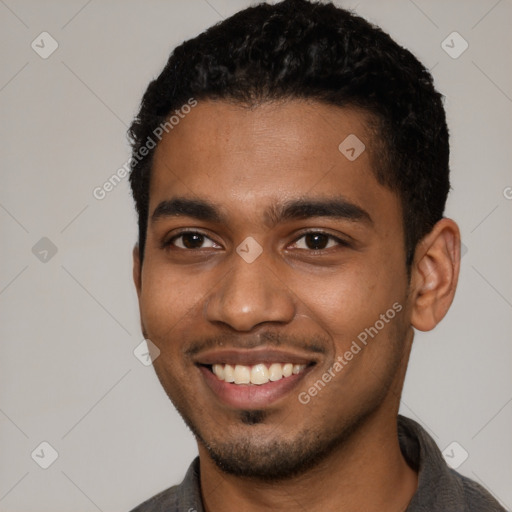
(340, 242)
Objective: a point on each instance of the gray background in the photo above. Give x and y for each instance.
(69, 321)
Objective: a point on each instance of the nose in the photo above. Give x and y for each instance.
(251, 294)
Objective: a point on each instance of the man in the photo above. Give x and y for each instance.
(290, 171)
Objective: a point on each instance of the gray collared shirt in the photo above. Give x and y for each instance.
(440, 488)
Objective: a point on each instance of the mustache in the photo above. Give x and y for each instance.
(316, 344)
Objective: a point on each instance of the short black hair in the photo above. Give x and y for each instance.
(300, 49)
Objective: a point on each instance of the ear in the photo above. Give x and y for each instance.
(137, 279)
(434, 275)
(137, 270)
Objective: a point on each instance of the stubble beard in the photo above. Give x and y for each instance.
(278, 458)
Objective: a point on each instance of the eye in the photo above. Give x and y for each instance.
(191, 240)
(318, 241)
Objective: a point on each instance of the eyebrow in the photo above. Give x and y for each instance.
(297, 209)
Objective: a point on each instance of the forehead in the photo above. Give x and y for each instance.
(237, 156)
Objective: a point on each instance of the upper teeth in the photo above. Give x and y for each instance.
(255, 374)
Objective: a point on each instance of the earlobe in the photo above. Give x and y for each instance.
(137, 271)
(435, 274)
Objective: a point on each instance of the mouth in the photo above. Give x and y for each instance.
(252, 379)
(257, 374)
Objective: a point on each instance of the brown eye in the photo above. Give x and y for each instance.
(317, 241)
(191, 240)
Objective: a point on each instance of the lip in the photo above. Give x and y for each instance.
(252, 396)
(251, 357)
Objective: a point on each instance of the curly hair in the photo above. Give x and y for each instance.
(300, 49)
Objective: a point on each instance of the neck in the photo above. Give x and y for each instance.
(367, 473)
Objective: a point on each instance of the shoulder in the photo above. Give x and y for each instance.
(185, 497)
(440, 488)
(165, 501)
(476, 497)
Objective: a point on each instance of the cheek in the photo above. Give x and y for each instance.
(346, 302)
(167, 298)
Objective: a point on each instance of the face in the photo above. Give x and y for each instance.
(275, 261)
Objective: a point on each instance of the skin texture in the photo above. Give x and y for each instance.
(339, 451)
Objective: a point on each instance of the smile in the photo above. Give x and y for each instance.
(253, 379)
(256, 374)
